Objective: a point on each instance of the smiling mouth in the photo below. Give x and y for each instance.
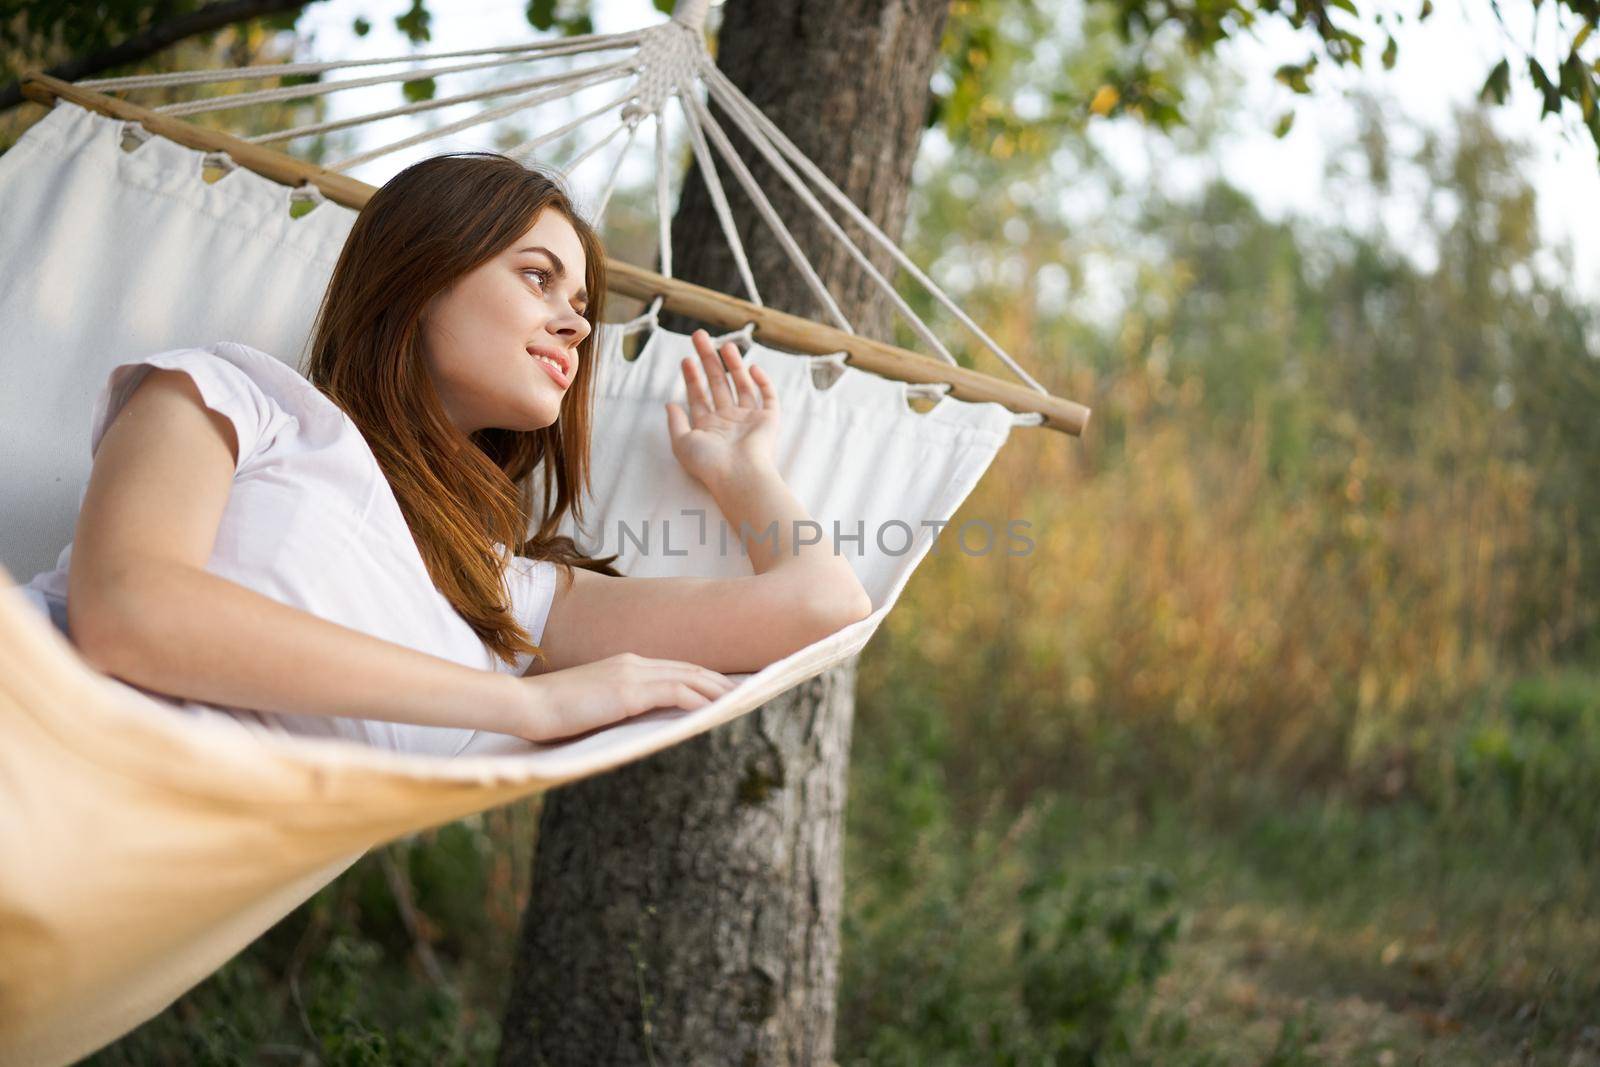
(559, 363)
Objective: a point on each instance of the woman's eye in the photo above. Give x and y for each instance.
(544, 275)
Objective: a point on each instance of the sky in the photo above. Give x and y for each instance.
(1442, 64)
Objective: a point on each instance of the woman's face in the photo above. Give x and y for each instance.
(482, 336)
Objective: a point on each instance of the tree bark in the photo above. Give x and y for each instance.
(685, 908)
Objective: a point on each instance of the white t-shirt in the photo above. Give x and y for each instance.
(311, 521)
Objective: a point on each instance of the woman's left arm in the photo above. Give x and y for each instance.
(799, 593)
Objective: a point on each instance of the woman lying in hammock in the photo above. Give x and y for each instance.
(325, 553)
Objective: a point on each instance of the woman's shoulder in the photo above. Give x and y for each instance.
(261, 394)
(240, 365)
(277, 377)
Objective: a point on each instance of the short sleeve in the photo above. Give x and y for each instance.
(533, 586)
(226, 389)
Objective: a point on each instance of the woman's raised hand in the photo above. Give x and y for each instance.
(732, 422)
(578, 699)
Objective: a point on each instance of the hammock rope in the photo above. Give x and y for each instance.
(226, 74)
(616, 167)
(302, 92)
(754, 124)
(663, 204)
(400, 110)
(562, 87)
(719, 203)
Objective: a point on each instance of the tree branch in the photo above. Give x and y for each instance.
(148, 42)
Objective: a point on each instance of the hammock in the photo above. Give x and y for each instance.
(143, 848)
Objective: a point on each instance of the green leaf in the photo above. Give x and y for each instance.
(542, 14)
(1541, 81)
(1427, 9)
(414, 23)
(1498, 83)
(419, 89)
(1294, 75)
(663, 6)
(1390, 52)
(1572, 73)
(361, 27)
(1285, 121)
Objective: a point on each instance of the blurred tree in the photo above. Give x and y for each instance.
(1137, 80)
(102, 36)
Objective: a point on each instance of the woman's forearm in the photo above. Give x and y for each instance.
(179, 630)
(766, 515)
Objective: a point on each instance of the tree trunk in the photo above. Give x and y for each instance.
(685, 908)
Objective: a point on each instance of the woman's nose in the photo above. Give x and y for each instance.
(571, 327)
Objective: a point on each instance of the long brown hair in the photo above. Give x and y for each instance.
(425, 228)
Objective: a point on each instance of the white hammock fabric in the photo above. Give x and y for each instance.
(142, 848)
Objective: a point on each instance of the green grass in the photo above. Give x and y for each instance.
(1456, 922)
(1453, 919)
(1407, 941)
